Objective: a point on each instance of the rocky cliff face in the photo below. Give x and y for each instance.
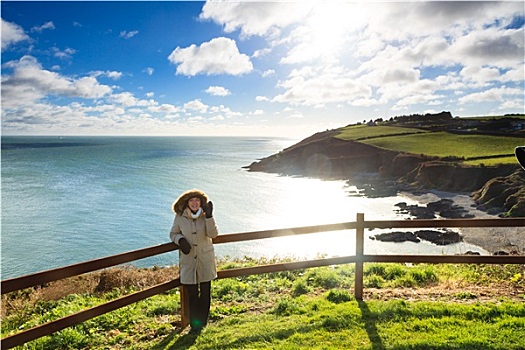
(325, 156)
(503, 194)
(454, 177)
(497, 189)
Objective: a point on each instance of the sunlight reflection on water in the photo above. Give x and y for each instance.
(296, 202)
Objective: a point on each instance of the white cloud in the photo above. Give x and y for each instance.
(168, 109)
(515, 75)
(30, 83)
(11, 34)
(254, 18)
(127, 99)
(479, 75)
(218, 56)
(47, 25)
(110, 74)
(128, 35)
(295, 115)
(359, 58)
(261, 53)
(196, 105)
(224, 110)
(495, 94)
(89, 88)
(268, 73)
(63, 54)
(218, 91)
(382, 61)
(302, 88)
(500, 48)
(513, 104)
(415, 99)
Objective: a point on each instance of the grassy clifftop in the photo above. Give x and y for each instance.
(405, 307)
(417, 152)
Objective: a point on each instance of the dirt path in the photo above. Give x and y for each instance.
(445, 293)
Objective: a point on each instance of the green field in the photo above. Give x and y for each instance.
(359, 132)
(474, 148)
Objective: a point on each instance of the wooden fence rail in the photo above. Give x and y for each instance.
(359, 258)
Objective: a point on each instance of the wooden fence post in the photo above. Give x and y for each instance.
(184, 307)
(359, 247)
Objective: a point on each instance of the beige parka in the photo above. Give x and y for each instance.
(199, 264)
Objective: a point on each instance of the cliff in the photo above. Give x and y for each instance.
(324, 156)
(497, 189)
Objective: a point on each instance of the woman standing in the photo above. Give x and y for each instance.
(193, 230)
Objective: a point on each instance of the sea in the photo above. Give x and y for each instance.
(67, 200)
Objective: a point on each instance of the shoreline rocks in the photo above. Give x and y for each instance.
(444, 237)
(445, 208)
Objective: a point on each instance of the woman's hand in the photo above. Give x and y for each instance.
(208, 209)
(184, 246)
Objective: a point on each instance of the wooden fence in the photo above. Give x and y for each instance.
(14, 284)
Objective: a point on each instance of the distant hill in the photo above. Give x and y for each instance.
(415, 153)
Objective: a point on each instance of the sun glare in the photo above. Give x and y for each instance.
(330, 27)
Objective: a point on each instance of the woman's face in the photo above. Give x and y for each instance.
(194, 203)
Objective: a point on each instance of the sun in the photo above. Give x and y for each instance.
(331, 27)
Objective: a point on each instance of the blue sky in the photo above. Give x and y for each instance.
(253, 68)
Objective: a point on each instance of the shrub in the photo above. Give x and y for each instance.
(335, 323)
(424, 276)
(374, 269)
(394, 271)
(300, 287)
(374, 282)
(285, 307)
(228, 288)
(466, 295)
(323, 278)
(337, 296)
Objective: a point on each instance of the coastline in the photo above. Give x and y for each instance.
(492, 239)
(456, 189)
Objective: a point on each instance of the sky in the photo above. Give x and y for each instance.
(249, 68)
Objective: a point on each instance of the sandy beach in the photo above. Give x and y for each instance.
(492, 239)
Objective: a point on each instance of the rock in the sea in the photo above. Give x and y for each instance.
(396, 236)
(444, 237)
(444, 207)
(440, 205)
(501, 252)
(416, 211)
(470, 252)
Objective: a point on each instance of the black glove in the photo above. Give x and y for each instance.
(185, 247)
(208, 209)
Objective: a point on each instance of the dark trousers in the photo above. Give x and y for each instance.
(199, 298)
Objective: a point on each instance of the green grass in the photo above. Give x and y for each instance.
(492, 161)
(443, 144)
(473, 148)
(361, 132)
(317, 323)
(312, 308)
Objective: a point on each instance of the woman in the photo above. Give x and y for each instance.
(193, 229)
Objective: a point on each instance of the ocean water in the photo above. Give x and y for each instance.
(71, 199)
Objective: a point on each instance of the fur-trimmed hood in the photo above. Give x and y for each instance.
(182, 202)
